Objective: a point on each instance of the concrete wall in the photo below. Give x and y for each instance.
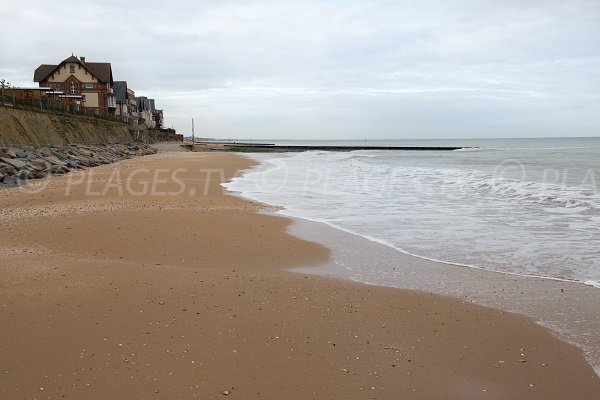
(33, 128)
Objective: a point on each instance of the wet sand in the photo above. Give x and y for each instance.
(143, 279)
(570, 309)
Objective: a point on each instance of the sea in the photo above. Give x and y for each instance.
(527, 207)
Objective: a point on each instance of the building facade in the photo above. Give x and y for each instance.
(76, 77)
(122, 99)
(145, 111)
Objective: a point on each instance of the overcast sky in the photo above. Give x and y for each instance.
(332, 69)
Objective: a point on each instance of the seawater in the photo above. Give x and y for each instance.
(517, 206)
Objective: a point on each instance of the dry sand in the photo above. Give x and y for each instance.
(179, 291)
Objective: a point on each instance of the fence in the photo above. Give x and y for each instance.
(37, 100)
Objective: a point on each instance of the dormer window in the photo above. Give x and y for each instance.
(72, 69)
(73, 88)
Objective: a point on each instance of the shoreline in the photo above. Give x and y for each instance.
(510, 284)
(517, 224)
(433, 260)
(539, 299)
(569, 308)
(157, 296)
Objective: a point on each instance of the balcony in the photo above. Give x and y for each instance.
(111, 101)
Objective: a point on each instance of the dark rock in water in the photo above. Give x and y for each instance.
(15, 162)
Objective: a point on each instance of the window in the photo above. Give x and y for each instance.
(72, 69)
(88, 85)
(73, 88)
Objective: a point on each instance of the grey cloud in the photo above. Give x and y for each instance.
(332, 68)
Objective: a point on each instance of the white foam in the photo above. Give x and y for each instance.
(447, 213)
(592, 283)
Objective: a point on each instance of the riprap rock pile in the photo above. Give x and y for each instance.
(18, 164)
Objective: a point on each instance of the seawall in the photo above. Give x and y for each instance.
(40, 128)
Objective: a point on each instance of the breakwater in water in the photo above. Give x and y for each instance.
(280, 148)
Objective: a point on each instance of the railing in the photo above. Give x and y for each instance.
(10, 99)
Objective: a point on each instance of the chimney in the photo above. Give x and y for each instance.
(82, 59)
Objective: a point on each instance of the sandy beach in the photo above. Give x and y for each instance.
(144, 279)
